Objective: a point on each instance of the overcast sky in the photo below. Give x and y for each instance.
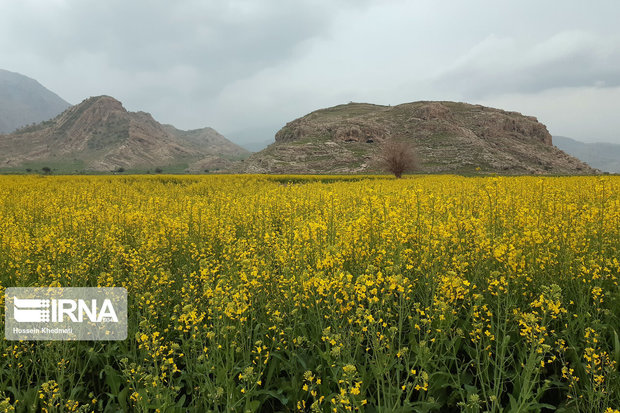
(246, 67)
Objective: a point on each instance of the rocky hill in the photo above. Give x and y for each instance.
(448, 137)
(100, 135)
(24, 101)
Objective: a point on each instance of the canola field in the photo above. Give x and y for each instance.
(322, 294)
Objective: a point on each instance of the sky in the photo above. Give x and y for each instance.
(247, 67)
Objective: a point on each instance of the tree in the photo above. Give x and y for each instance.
(46, 170)
(397, 157)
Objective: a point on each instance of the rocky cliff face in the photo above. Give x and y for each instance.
(101, 135)
(448, 137)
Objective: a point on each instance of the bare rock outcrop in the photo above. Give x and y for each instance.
(449, 137)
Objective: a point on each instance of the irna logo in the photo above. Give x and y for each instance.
(70, 313)
(27, 310)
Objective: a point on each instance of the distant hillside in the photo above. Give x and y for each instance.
(448, 137)
(24, 101)
(100, 135)
(603, 156)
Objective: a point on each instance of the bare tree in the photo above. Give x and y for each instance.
(397, 157)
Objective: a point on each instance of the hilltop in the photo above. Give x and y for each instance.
(448, 137)
(24, 101)
(99, 134)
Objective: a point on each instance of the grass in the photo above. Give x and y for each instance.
(64, 166)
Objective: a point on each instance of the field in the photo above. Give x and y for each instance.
(302, 293)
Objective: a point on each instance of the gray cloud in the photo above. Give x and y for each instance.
(589, 113)
(504, 65)
(252, 65)
(220, 40)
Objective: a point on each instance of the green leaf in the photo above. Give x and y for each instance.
(276, 395)
(513, 403)
(122, 398)
(112, 379)
(616, 347)
(253, 406)
(470, 389)
(181, 401)
(543, 406)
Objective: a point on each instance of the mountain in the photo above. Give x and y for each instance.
(24, 101)
(448, 137)
(603, 156)
(99, 134)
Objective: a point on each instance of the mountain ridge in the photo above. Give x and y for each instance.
(601, 155)
(24, 101)
(101, 135)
